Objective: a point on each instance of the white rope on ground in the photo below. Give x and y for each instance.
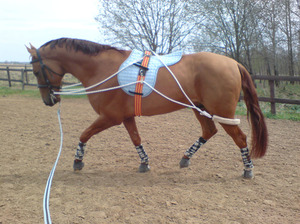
(47, 217)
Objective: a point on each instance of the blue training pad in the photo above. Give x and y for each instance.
(130, 74)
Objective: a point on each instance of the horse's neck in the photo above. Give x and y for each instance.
(88, 69)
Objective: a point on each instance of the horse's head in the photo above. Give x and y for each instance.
(48, 73)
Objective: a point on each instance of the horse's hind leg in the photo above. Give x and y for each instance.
(97, 126)
(130, 125)
(208, 130)
(240, 140)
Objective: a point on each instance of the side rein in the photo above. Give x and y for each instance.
(44, 67)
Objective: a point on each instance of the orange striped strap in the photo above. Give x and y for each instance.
(139, 86)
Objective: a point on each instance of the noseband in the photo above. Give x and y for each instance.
(44, 68)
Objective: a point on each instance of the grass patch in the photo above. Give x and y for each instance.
(8, 91)
(283, 111)
(34, 92)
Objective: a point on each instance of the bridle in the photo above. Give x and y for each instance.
(44, 68)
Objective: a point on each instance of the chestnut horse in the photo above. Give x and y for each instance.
(212, 82)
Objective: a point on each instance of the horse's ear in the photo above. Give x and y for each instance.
(32, 47)
(28, 49)
(31, 50)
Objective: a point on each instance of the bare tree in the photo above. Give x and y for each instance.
(271, 35)
(251, 31)
(159, 25)
(228, 25)
(287, 29)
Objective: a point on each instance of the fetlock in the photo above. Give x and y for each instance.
(80, 151)
(194, 148)
(185, 160)
(248, 170)
(78, 164)
(246, 159)
(142, 154)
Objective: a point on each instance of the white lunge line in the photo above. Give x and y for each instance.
(84, 91)
(47, 217)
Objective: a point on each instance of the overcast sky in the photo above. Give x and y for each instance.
(38, 21)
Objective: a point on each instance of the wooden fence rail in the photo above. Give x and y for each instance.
(271, 79)
(23, 74)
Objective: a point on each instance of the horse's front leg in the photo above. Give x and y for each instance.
(97, 126)
(130, 125)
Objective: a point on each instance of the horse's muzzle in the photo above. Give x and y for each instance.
(51, 100)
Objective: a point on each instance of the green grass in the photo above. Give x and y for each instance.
(283, 111)
(32, 92)
(7, 91)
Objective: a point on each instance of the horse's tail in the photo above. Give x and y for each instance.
(259, 128)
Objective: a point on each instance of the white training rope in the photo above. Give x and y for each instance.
(47, 217)
(204, 113)
(73, 91)
(84, 91)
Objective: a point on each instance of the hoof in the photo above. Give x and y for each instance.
(248, 174)
(78, 165)
(184, 162)
(144, 168)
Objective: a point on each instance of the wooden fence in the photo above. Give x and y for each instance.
(272, 99)
(24, 73)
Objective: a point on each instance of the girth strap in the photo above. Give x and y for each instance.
(139, 86)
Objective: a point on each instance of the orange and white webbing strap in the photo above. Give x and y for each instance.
(139, 85)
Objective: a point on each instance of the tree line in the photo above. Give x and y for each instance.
(262, 35)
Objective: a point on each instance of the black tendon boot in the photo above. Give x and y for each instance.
(78, 164)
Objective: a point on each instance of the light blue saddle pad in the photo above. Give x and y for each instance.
(130, 74)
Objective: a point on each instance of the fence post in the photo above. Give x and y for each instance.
(26, 75)
(23, 79)
(272, 96)
(8, 76)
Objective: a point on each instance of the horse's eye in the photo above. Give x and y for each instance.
(36, 74)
